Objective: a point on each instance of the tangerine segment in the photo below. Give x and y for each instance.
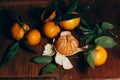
(100, 56)
(33, 37)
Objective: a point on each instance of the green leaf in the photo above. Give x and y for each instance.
(50, 8)
(90, 59)
(28, 47)
(89, 50)
(73, 7)
(67, 17)
(60, 7)
(86, 8)
(49, 68)
(20, 23)
(105, 41)
(83, 38)
(20, 19)
(42, 59)
(84, 29)
(89, 39)
(19, 16)
(84, 22)
(107, 25)
(99, 30)
(9, 55)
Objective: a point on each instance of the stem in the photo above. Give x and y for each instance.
(114, 34)
(20, 20)
(74, 57)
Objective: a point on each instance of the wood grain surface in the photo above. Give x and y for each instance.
(22, 68)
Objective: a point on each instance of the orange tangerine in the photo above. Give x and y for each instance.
(17, 32)
(51, 29)
(71, 23)
(100, 56)
(33, 37)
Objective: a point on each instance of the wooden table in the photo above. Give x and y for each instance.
(22, 68)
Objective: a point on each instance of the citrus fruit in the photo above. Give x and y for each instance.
(67, 44)
(71, 23)
(51, 29)
(33, 37)
(17, 32)
(100, 56)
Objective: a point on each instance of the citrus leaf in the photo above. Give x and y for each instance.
(84, 29)
(99, 30)
(20, 16)
(50, 8)
(20, 19)
(107, 25)
(86, 8)
(89, 39)
(82, 38)
(28, 47)
(90, 59)
(42, 59)
(60, 7)
(67, 17)
(9, 55)
(49, 68)
(73, 7)
(84, 22)
(20, 23)
(89, 50)
(105, 41)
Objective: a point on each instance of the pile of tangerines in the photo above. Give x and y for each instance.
(57, 26)
(64, 43)
(52, 30)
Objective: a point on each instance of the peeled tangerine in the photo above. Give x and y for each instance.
(67, 44)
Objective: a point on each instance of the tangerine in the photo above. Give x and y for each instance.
(100, 56)
(51, 29)
(33, 37)
(71, 23)
(17, 32)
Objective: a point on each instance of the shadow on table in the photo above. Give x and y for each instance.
(32, 78)
(6, 21)
(82, 64)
